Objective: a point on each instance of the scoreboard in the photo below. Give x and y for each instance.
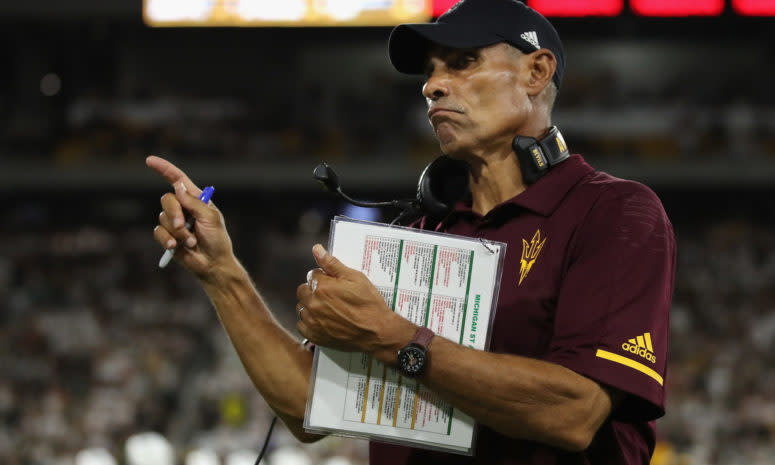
(285, 12)
(653, 8)
(392, 12)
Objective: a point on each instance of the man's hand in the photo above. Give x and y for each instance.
(346, 312)
(205, 248)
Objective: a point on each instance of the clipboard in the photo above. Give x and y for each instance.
(442, 281)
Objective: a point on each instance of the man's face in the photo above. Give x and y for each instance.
(476, 101)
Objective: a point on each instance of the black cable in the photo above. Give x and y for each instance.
(266, 441)
(307, 345)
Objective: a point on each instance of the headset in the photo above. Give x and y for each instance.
(444, 182)
(536, 157)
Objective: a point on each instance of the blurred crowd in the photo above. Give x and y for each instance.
(98, 345)
(692, 108)
(391, 122)
(720, 384)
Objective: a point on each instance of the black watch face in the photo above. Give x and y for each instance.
(411, 361)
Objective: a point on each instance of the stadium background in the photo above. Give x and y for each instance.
(97, 344)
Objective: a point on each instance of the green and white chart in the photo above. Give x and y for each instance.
(444, 282)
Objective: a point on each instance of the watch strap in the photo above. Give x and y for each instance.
(422, 337)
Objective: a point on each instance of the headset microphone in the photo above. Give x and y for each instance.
(327, 176)
(444, 182)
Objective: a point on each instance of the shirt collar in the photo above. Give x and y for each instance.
(545, 195)
(542, 197)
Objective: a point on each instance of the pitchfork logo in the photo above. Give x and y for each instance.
(530, 251)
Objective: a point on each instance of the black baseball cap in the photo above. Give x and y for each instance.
(474, 24)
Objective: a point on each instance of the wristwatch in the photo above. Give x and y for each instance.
(413, 359)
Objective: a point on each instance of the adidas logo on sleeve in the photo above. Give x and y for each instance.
(641, 346)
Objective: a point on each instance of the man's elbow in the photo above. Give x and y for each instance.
(296, 428)
(308, 438)
(575, 439)
(589, 416)
(564, 434)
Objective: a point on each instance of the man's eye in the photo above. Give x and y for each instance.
(464, 60)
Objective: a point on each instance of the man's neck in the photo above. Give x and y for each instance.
(494, 180)
(495, 172)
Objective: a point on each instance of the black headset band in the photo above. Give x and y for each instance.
(445, 180)
(537, 156)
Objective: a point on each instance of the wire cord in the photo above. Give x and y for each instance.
(266, 440)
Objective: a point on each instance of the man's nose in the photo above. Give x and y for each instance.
(436, 87)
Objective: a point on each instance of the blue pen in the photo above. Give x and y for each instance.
(205, 197)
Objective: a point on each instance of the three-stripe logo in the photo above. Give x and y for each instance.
(641, 345)
(531, 37)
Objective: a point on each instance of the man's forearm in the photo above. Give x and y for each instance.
(276, 362)
(518, 396)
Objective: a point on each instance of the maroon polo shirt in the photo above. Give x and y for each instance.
(587, 284)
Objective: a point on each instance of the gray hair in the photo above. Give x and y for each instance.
(549, 94)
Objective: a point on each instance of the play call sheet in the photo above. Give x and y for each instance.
(446, 283)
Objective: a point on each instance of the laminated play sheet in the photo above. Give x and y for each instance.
(445, 282)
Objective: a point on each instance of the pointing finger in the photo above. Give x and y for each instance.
(172, 173)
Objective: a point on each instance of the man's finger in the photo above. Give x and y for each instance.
(172, 173)
(172, 211)
(179, 233)
(328, 263)
(303, 292)
(302, 328)
(191, 203)
(164, 238)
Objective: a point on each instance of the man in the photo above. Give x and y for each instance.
(576, 370)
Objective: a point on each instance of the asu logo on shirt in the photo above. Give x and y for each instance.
(530, 251)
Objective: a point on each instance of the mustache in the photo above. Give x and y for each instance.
(446, 106)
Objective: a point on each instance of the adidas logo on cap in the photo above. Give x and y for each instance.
(641, 346)
(531, 37)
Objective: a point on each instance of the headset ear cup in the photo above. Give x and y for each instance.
(442, 183)
(536, 157)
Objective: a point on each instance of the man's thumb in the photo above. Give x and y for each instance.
(327, 262)
(190, 203)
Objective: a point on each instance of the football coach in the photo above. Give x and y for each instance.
(577, 365)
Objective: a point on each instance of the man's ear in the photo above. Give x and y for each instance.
(542, 64)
